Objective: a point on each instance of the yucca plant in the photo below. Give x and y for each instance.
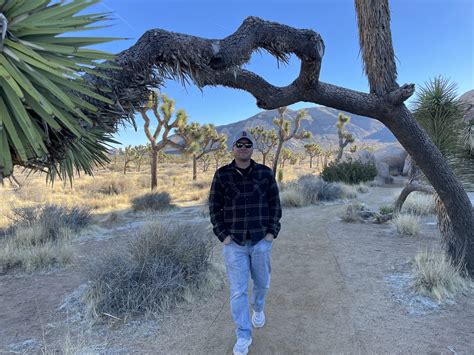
(47, 119)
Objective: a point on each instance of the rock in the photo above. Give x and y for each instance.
(383, 173)
(364, 156)
(393, 156)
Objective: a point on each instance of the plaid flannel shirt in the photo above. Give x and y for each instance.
(239, 203)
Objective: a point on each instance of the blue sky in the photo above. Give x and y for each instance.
(430, 37)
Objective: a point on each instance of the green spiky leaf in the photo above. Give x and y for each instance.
(45, 104)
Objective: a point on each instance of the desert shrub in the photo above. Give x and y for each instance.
(200, 185)
(350, 172)
(292, 197)
(386, 209)
(419, 204)
(363, 189)
(33, 247)
(155, 201)
(52, 218)
(348, 191)
(316, 189)
(143, 181)
(436, 277)
(160, 266)
(115, 186)
(407, 224)
(352, 213)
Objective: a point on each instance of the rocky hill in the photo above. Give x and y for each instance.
(321, 123)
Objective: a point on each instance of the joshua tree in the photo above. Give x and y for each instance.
(141, 150)
(164, 124)
(286, 154)
(220, 155)
(206, 161)
(160, 54)
(130, 154)
(288, 129)
(313, 150)
(266, 140)
(198, 141)
(344, 137)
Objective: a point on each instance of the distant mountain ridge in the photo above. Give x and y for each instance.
(322, 124)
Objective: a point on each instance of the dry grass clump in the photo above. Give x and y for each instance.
(316, 189)
(436, 277)
(348, 191)
(200, 185)
(419, 204)
(361, 188)
(407, 224)
(35, 247)
(352, 213)
(292, 197)
(162, 265)
(114, 186)
(39, 237)
(52, 218)
(154, 201)
(310, 189)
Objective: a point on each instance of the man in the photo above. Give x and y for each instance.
(245, 211)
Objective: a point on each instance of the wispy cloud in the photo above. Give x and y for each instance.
(117, 15)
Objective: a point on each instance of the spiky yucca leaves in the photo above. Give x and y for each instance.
(44, 100)
(440, 114)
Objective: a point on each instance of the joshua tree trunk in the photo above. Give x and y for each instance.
(194, 167)
(311, 162)
(407, 190)
(277, 156)
(154, 167)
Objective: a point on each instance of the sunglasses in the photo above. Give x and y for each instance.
(246, 145)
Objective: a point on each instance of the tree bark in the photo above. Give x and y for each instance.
(407, 190)
(194, 167)
(277, 156)
(311, 162)
(154, 167)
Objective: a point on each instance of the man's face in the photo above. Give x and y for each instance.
(242, 149)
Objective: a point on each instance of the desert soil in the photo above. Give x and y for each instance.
(337, 288)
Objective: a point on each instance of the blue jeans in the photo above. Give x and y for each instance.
(240, 261)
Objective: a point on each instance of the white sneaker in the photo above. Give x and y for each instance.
(241, 347)
(258, 319)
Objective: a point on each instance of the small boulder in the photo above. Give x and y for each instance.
(393, 156)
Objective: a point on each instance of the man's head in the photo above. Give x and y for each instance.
(242, 146)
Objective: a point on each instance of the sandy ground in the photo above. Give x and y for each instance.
(337, 288)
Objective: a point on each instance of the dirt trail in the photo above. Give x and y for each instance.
(332, 292)
(308, 308)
